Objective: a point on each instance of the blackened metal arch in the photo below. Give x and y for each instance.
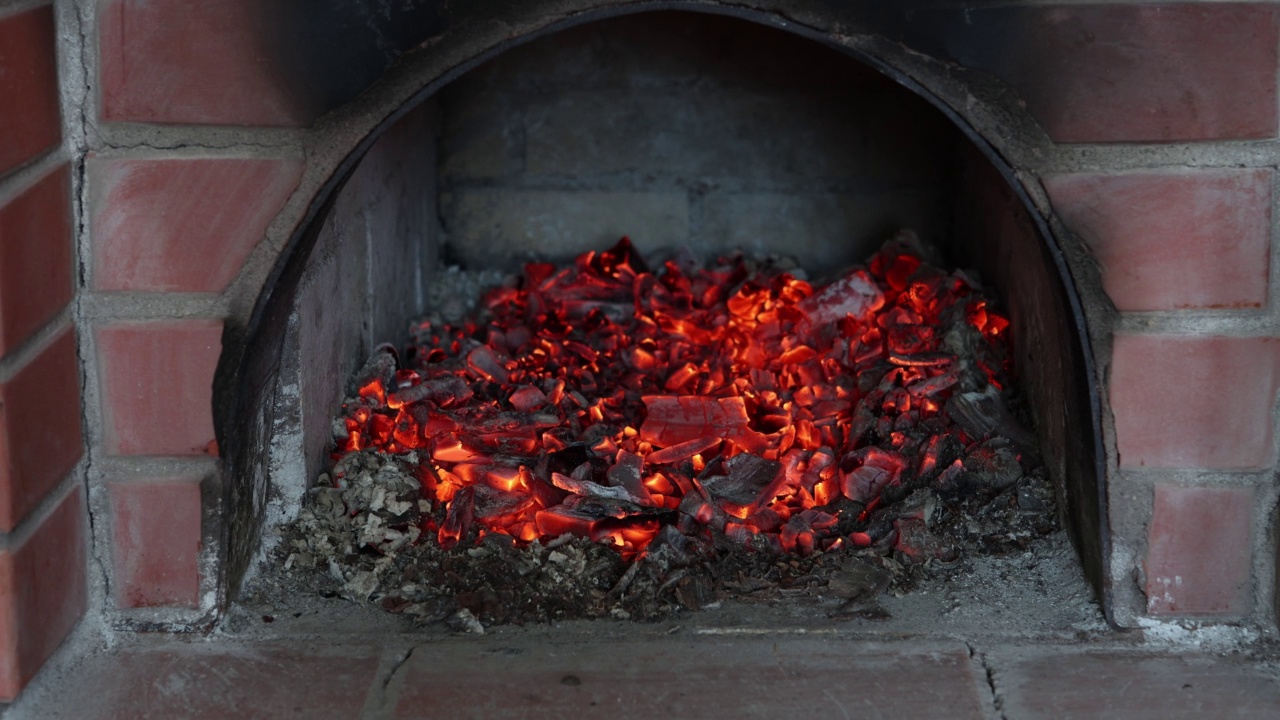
(250, 374)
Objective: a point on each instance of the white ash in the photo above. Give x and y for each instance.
(453, 293)
(370, 501)
(358, 534)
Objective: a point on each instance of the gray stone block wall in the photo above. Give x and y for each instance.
(683, 129)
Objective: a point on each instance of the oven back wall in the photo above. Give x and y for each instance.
(684, 129)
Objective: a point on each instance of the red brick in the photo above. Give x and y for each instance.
(35, 257)
(156, 542)
(1199, 552)
(197, 62)
(42, 593)
(1194, 401)
(157, 385)
(31, 123)
(1166, 241)
(1049, 682)
(1150, 72)
(218, 681)
(720, 677)
(40, 439)
(181, 224)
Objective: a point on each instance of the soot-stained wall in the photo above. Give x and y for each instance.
(685, 129)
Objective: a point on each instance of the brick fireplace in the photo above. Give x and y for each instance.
(161, 162)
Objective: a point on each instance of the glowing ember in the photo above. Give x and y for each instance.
(613, 402)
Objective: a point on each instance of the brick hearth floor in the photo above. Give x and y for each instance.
(688, 673)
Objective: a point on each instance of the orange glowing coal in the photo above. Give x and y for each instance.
(613, 401)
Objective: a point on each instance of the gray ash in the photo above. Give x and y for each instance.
(357, 538)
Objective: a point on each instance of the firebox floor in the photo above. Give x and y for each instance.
(1017, 637)
(1038, 592)
(686, 673)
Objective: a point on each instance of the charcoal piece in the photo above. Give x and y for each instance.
(854, 294)
(626, 474)
(915, 541)
(673, 419)
(683, 451)
(765, 520)
(819, 466)
(994, 464)
(846, 512)
(515, 423)
(483, 603)
(739, 533)
(940, 453)
(863, 421)
(608, 508)
(622, 254)
(921, 504)
(394, 603)
(921, 359)
(567, 460)
(444, 390)
(598, 432)
(821, 522)
(381, 366)
(797, 536)
(865, 473)
(457, 522)
(589, 489)
(984, 415)
(527, 398)
(931, 387)
(671, 548)
(582, 473)
(747, 476)
(1034, 498)
(792, 475)
(615, 311)
(546, 494)
(493, 506)
(455, 448)
(487, 365)
(558, 520)
(695, 592)
(702, 511)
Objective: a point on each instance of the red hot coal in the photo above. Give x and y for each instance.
(635, 406)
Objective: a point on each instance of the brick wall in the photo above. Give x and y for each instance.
(1152, 174)
(192, 148)
(158, 165)
(43, 541)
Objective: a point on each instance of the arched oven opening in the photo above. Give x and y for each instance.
(681, 130)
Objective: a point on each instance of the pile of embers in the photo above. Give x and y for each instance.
(610, 438)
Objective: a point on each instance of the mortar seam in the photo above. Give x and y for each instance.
(385, 691)
(995, 698)
(78, 142)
